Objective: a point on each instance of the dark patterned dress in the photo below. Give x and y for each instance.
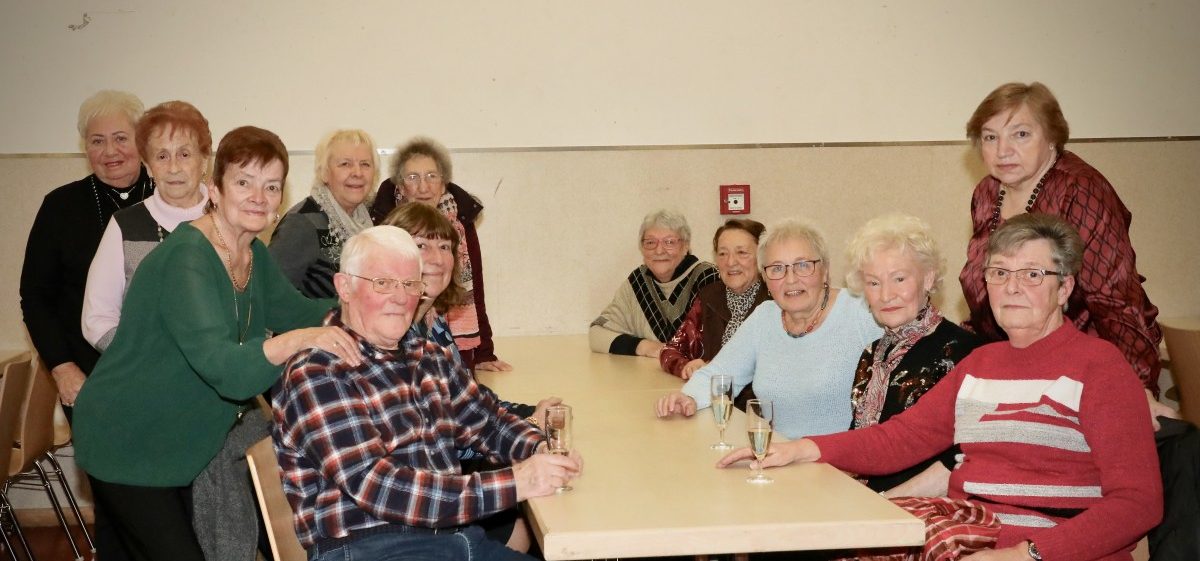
(925, 364)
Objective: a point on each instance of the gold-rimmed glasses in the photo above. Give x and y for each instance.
(384, 285)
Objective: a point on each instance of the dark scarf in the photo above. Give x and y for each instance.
(889, 350)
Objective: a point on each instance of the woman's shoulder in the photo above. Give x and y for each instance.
(469, 205)
(71, 193)
(309, 209)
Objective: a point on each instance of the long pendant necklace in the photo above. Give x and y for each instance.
(109, 193)
(229, 259)
(1037, 190)
(813, 323)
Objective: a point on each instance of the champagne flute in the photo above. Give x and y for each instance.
(760, 417)
(721, 391)
(558, 433)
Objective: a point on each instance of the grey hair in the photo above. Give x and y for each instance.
(793, 229)
(353, 137)
(669, 220)
(1066, 247)
(893, 231)
(108, 102)
(389, 238)
(422, 146)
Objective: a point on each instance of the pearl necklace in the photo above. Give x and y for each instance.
(1037, 190)
(229, 260)
(813, 323)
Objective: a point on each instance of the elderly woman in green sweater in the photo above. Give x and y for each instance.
(191, 353)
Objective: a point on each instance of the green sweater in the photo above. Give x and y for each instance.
(157, 407)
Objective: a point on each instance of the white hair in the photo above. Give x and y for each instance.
(389, 238)
(669, 220)
(789, 230)
(109, 102)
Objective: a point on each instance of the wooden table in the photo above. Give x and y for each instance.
(649, 487)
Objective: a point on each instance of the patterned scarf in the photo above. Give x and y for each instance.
(739, 307)
(889, 350)
(342, 226)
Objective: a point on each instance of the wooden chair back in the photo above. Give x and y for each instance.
(35, 427)
(13, 387)
(1183, 345)
(277, 512)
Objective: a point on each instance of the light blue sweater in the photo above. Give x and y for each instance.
(808, 378)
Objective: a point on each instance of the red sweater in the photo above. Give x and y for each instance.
(1060, 424)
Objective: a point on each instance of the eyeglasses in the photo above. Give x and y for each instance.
(414, 179)
(802, 268)
(384, 285)
(1027, 277)
(671, 244)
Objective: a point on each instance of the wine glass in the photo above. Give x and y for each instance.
(558, 433)
(721, 391)
(760, 417)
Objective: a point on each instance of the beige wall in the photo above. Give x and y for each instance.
(620, 72)
(560, 227)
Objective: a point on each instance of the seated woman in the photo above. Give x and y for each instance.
(649, 307)
(192, 352)
(307, 244)
(896, 265)
(1052, 423)
(176, 146)
(721, 307)
(799, 349)
(438, 241)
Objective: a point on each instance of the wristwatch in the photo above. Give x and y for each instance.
(1033, 551)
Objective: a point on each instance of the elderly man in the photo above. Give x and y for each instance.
(369, 452)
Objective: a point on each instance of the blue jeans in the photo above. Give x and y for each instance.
(470, 544)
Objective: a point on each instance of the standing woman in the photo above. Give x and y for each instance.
(1020, 132)
(176, 146)
(307, 244)
(192, 352)
(423, 173)
(67, 231)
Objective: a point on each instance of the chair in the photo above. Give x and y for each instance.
(1183, 345)
(13, 386)
(36, 440)
(277, 512)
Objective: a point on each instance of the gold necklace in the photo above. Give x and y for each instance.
(229, 259)
(813, 323)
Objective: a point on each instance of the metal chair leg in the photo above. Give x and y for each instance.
(6, 510)
(62, 521)
(62, 480)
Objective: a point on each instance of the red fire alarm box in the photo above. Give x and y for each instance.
(735, 199)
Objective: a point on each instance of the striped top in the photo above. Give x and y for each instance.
(1055, 439)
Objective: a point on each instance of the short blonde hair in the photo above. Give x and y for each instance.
(353, 137)
(108, 102)
(793, 229)
(668, 219)
(893, 231)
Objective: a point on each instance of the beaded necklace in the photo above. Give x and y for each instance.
(813, 323)
(109, 193)
(1037, 190)
(237, 315)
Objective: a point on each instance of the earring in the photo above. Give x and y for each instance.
(275, 218)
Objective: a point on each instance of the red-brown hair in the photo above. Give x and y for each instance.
(1012, 96)
(752, 227)
(428, 222)
(248, 145)
(173, 116)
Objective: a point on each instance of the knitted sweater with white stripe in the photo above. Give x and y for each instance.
(1060, 424)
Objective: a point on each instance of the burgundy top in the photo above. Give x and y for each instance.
(1108, 301)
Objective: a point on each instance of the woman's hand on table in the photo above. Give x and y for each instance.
(649, 348)
(334, 340)
(691, 367)
(543, 473)
(675, 403)
(494, 366)
(779, 454)
(69, 379)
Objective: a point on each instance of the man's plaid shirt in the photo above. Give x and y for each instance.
(360, 447)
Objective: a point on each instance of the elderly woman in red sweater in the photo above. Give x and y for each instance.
(1052, 424)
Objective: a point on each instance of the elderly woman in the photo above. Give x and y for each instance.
(308, 242)
(1020, 132)
(192, 352)
(57, 257)
(799, 349)
(422, 170)
(438, 241)
(649, 307)
(176, 146)
(1052, 422)
(896, 265)
(721, 307)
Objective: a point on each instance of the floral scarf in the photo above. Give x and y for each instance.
(889, 350)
